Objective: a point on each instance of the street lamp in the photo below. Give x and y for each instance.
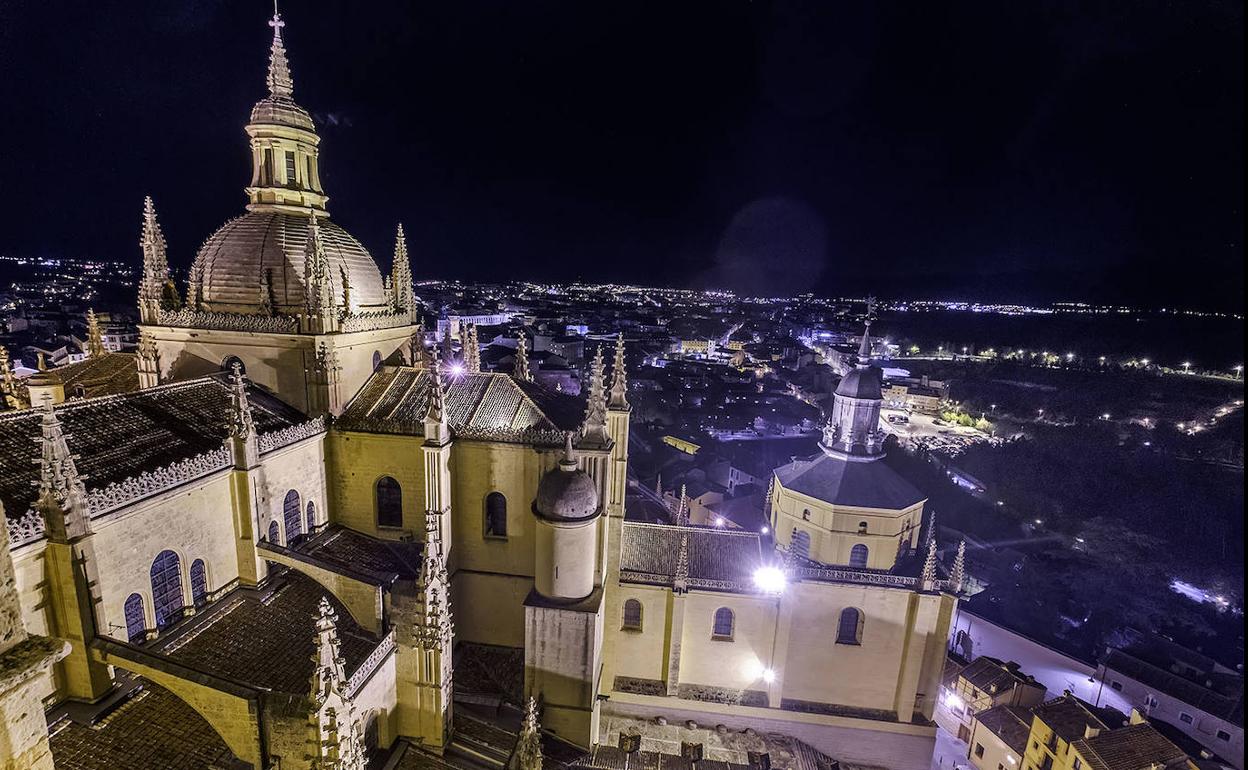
(1187, 367)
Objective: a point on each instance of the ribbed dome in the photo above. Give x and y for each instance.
(281, 111)
(566, 493)
(862, 382)
(232, 265)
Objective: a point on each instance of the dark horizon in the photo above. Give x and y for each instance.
(977, 152)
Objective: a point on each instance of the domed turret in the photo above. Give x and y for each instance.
(567, 509)
(853, 427)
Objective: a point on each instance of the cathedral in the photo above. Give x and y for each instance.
(302, 539)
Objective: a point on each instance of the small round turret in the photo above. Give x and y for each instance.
(567, 509)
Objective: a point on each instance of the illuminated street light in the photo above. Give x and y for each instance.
(769, 580)
(1187, 367)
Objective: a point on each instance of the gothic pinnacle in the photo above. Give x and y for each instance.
(521, 368)
(281, 84)
(619, 377)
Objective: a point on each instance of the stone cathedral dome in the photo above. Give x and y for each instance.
(263, 253)
(255, 263)
(566, 493)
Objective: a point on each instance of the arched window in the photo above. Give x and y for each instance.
(199, 583)
(167, 588)
(849, 629)
(275, 534)
(227, 365)
(722, 628)
(292, 510)
(632, 615)
(136, 623)
(800, 543)
(376, 360)
(389, 503)
(858, 556)
(311, 517)
(495, 515)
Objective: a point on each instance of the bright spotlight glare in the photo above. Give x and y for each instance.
(769, 676)
(769, 579)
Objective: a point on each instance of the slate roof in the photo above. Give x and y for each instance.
(613, 758)
(1137, 747)
(394, 399)
(1012, 724)
(840, 481)
(1195, 694)
(117, 437)
(266, 639)
(346, 548)
(153, 729)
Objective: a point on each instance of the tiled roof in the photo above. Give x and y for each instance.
(992, 676)
(356, 550)
(395, 398)
(266, 639)
(1192, 693)
(845, 482)
(613, 758)
(118, 437)
(1137, 747)
(105, 375)
(153, 729)
(1012, 724)
(1067, 716)
(714, 554)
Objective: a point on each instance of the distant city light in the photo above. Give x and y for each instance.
(764, 530)
(769, 580)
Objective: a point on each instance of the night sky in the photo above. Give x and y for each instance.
(994, 150)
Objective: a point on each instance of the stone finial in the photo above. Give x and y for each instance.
(957, 575)
(472, 350)
(95, 338)
(435, 409)
(658, 485)
(416, 355)
(529, 744)
(929, 540)
(927, 578)
(62, 499)
(401, 276)
(242, 423)
(317, 281)
(330, 676)
(41, 361)
(433, 586)
(8, 380)
(281, 84)
(594, 426)
(148, 362)
(521, 368)
(864, 348)
(619, 377)
(680, 581)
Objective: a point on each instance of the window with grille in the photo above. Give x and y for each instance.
(275, 533)
(311, 516)
(136, 623)
(495, 515)
(858, 556)
(199, 583)
(292, 510)
(849, 628)
(290, 169)
(166, 588)
(389, 503)
(632, 615)
(722, 627)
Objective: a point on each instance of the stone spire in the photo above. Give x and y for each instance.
(435, 408)
(680, 580)
(864, 347)
(594, 426)
(154, 281)
(242, 440)
(62, 497)
(95, 339)
(148, 362)
(337, 742)
(927, 578)
(8, 381)
(281, 84)
(619, 377)
(521, 368)
(434, 588)
(321, 318)
(682, 507)
(529, 744)
(957, 575)
(930, 539)
(658, 485)
(401, 277)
